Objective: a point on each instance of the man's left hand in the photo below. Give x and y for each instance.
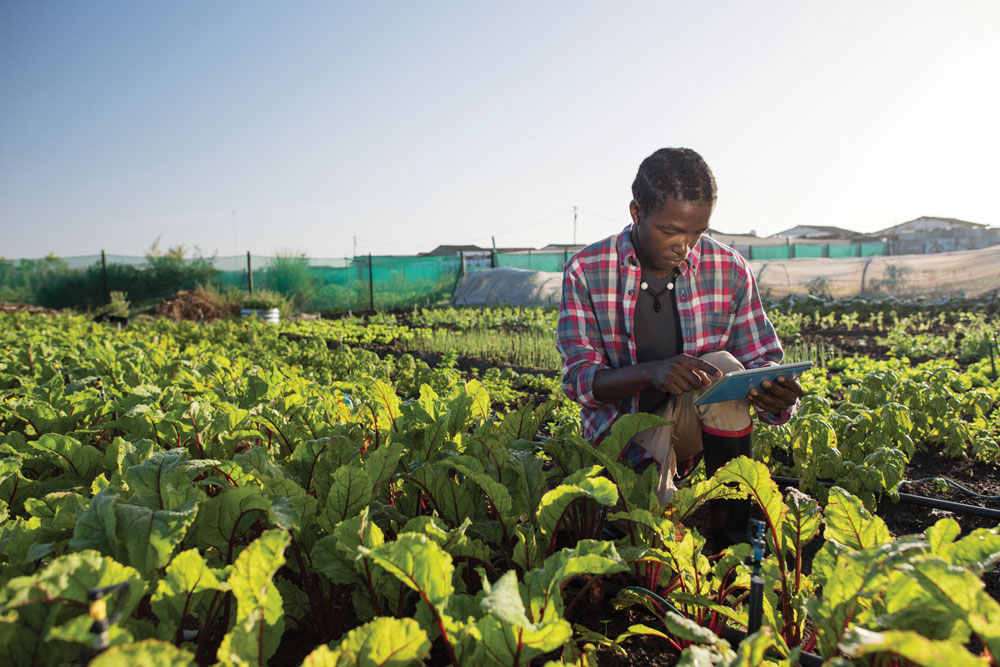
(776, 396)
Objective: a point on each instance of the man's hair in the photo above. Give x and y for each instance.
(673, 173)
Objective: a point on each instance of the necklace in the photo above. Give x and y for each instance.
(656, 295)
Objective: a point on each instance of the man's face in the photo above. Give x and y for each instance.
(664, 237)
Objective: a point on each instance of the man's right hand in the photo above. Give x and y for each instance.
(673, 376)
(681, 374)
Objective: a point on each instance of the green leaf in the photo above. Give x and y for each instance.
(909, 645)
(679, 627)
(503, 601)
(179, 594)
(97, 527)
(149, 536)
(978, 550)
(30, 606)
(962, 593)
(511, 645)
(754, 478)
(82, 461)
(380, 465)
(496, 492)
(624, 429)
(383, 642)
(350, 492)
(545, 583)
(942, 534)
(850, 524)
(554, 503)
(336, 555)
(802, 521)
(222, 520)
(147, 653)
(259, 621)
(522, 423)
(453, 501)
(59, 511)
(419, 563)
(313, 462)
(161, 482)
(851, 580)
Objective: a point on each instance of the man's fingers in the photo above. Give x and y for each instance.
(767, 402)
(791, 384)
(708, 369)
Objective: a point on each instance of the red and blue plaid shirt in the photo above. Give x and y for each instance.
(717, 302)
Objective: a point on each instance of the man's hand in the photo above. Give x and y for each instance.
(777, 396)
(674, 376)
(682, 373)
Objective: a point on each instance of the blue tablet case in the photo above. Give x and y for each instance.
(739, 383)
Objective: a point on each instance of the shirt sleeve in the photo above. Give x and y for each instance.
(753, 339)
(578, 339)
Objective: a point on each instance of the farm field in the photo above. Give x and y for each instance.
(411, 487)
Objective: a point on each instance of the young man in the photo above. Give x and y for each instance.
(658, 311)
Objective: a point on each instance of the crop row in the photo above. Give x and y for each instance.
(255, 499)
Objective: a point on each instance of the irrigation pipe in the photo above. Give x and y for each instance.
(916, 500)
(953, 483)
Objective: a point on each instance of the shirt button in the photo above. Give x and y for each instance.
(631, 292)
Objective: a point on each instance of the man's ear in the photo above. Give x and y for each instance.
(633, 209)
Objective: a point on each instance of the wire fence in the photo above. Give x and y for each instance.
(367, 282)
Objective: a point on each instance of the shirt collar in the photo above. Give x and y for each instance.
(627, 256)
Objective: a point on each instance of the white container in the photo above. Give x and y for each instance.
(269, 315)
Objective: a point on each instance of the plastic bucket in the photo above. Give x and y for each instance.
(270, 315)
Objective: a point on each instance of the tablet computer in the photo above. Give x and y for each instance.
(738, 384)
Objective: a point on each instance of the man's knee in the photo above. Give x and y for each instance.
(723, 360)
(728, 417)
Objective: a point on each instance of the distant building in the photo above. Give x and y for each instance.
(571, 248)
(818, 232)
(445, 250)
(929, 234)
(926, 223)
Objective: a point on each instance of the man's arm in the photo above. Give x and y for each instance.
(578, 338)
(754, 342)
(676, 376)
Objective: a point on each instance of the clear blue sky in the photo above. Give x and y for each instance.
(412, 124)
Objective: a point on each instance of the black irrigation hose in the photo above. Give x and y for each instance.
(915, 500)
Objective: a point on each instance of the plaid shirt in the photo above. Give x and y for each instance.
(717, 302)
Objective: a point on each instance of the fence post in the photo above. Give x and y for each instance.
(459, 275)
(371, 284)
(104, 274)
(249, 273)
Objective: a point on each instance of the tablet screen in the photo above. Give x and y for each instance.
(739, 383)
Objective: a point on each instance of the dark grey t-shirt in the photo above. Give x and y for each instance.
(657, 334)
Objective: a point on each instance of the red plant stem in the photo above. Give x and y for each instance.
(203, 635)
(444, 633)
(576, 598)
(308, 582)
(376, 602)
